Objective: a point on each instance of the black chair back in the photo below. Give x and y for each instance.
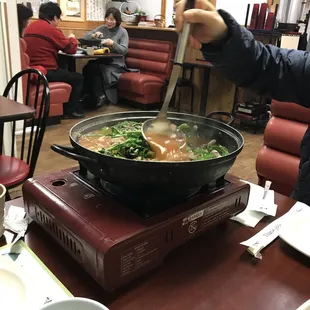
(36, 93)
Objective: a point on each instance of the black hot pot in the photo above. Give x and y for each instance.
(165, 179)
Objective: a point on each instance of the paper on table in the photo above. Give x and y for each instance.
(249, 218)
(258, 203)
(15, 221)
(271, 232)
(257, 207)
(264, 206)
(15, 213)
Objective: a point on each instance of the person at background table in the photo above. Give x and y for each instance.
(44, 40)
(116, 39)
(24, 14)
(280, 74)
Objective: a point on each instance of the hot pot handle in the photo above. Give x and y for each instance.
(69, 152)
(215, 113)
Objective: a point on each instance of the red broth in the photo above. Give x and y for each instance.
(168, 149)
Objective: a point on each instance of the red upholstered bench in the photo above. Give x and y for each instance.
(153, 59)
(59, 92)
(279, 158)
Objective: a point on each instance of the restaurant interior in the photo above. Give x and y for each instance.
(136, 173)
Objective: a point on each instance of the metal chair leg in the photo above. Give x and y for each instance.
(192, 99)
(179, 100)
(173, 99)
(7, 196)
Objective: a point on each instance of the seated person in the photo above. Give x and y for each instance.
(24, 14)
(44, 40)
(115, 37)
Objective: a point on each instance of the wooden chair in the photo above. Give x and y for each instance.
(15, 169)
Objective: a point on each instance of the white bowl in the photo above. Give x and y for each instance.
(76, 303)
(305, 306)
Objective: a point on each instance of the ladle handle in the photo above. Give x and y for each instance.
(178, 60)
(183, 37)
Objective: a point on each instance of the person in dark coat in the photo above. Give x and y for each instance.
(277, 73)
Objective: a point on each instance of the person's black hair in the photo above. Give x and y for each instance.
(23, 14)
(49, 10)
(115, 13)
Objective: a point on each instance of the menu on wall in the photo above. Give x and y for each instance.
(72, 8)
(34, 5)
(95, 9)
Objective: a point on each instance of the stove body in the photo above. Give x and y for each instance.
(112, 242)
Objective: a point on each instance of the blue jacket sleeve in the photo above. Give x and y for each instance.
(277, 73)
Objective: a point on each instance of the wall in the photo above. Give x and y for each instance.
(169, 12)
(10, 59)
(237, 8)
(152, 7)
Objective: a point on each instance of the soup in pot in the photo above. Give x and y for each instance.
(125, 140)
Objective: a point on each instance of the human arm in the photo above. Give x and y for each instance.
(66, 45)
(40, 68)
(277, 73)
(121, 46)
(34, 77)
(93, 34)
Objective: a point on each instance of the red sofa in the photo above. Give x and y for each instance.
(153, 59)
(59, 92)
(279, 158)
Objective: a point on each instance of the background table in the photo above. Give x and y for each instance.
(68, 61)
(210, 272)
(12, 111)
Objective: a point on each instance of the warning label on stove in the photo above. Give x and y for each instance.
(201, 220)
(139, 256)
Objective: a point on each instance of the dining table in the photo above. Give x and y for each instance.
(68, 61)
(10, 111)
(212, 271)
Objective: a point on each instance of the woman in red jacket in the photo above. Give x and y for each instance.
(44, 41)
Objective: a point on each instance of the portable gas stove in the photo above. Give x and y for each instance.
(115, 242)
